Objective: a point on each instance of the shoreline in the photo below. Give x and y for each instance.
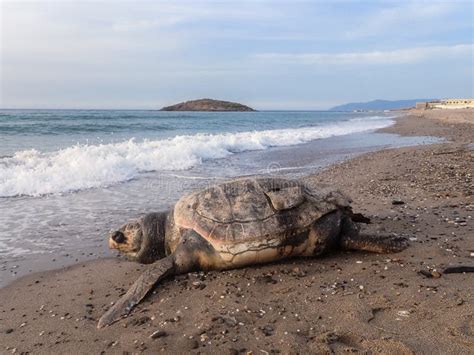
(401, 312)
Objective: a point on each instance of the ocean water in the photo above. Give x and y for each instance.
(44, 152)
(68, 176)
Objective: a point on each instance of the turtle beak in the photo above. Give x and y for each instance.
(118, 237)
(115, 239)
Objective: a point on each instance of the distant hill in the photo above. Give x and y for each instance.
(378, 105)
(207, 105)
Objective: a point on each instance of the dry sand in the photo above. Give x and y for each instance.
(344, 302)
(447, 116)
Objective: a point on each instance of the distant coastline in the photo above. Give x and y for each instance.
(208, 105)
(378, 105)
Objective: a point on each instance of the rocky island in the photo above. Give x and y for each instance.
(207, 105)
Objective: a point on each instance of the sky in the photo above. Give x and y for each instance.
(266, 54)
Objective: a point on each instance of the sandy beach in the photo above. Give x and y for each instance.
(344, 302)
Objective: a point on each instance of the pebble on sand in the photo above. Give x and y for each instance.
(158, 334)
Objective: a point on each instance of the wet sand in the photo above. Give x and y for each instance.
(344, 302)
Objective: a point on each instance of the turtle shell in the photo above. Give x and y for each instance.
(255, 209)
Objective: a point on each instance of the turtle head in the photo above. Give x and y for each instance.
(128, 238)
(142, 239)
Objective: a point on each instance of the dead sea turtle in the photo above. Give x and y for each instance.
(239, 223)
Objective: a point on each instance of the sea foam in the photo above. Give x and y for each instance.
(34, 173)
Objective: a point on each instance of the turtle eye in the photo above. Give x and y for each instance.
(118, 237)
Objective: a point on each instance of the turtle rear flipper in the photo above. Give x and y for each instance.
(353, 239)
(155, 273)
(373, 243)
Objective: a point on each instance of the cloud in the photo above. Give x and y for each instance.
(401, 17)
(109, 53)
(399, 56)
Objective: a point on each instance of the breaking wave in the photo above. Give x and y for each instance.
(34, 173)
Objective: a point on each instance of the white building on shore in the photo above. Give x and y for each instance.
(446, 104)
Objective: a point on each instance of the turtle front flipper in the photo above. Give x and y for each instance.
(155, 273)
(352, 239)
